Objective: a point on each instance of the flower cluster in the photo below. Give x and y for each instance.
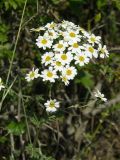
(66, 46)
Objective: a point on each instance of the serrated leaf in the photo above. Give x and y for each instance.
(16, 128)
(86, 80)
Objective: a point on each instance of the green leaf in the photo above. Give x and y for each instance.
(97, 17)
(101, 3)
(16, 128)
(117, 4)
(3, 139)
(86, 80)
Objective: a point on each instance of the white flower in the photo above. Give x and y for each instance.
(94, 39)
(81, 59)
(43, 42)
(57, 65)
(47, 58)
(68, 25)
(64, 79)
(52, 105)
(64, 58)
(32, 74)
(90, 51)
(38, 29)
(75, 47)
(69, 71)
(84, 32)
(49, 75)
(60, 46)
(51, 25)
(98, 94)
(103, 51)
(51, 34)
(72, 35)
(1, 84)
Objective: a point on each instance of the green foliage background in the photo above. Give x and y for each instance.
(82, 129)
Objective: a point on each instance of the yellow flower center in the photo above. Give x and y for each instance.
(75, 45)
(50, 33)
(64, 79)
(72, 34)
(81, 58)
(52, 25)
(52, 104)
(92, 39)
(68, 72)
(91, 49)
(64, 57)
(44, 41)
(48, 58)
(49, 74)
(32, 74)
(60, 46)
(58, 63)
(102, 51)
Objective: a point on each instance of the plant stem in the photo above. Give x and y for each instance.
(16, 42)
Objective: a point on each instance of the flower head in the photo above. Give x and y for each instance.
(94, 39)
(90, 51)
(69, 72)
(57, 65)
(47, 58)
(51, 34)
(64, 58)
(98, 94)
(49, 75)
(72, 35)
(1, 84)
(65, 79)
(43, 42)
(60, 46)
(52, 105)
(81, 59)
(103, 51)
(32, 74)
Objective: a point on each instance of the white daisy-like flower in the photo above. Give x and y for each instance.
(103, 51)
(75, 47)
(47, 58)
(65, 79)
(68, 25)
(1, 84)
(49, 75)
(43, 42)
(72, 35)
(60, 46)
(98, 94)
(57, 65)
(51, 34)
(64, 58)
(84, 32)
(81, 59)
(51, 25)
(94, 39)
(90, 51)
(70, 72)
(32, 74)
(52, 105)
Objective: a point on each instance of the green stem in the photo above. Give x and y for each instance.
(16, 42)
